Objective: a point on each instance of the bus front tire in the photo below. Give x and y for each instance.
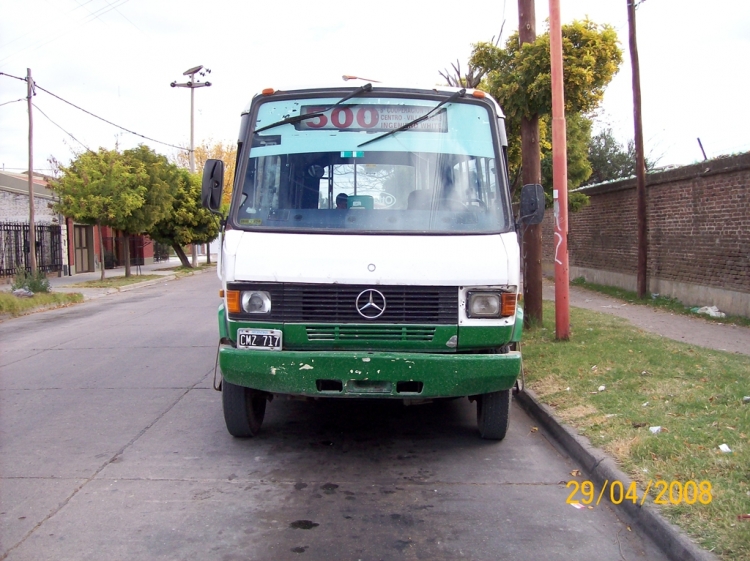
(493, 414)
(244, 409)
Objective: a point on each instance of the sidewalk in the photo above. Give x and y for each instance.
(162, 268)
(693, 330)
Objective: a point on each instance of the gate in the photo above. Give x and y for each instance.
(14, 248)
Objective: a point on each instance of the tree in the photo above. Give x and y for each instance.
(610, 160)
(219, 151)
(519, 77)
(578, 136)
(99, 188)
(156, 195)
(188, 222)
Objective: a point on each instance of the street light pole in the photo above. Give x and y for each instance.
(192, 83)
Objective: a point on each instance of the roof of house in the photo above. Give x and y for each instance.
(19, 183)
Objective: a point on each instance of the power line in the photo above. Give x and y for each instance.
(11, 76)
(36, 29)
(87, 19)
(36, 84)
(14, 101)
(62, 129)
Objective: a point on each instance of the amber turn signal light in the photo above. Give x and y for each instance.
(233, 301)
(508, 304)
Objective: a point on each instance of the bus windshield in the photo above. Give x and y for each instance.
(326, 167)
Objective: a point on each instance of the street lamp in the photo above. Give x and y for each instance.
(193, 83)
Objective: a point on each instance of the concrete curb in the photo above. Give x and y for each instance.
(600, 467)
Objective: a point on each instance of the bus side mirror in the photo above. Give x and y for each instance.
(532, 204)
(213, 183)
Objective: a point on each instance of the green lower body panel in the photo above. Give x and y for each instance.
(369, 374)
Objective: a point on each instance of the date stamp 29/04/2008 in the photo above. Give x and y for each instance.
(666, 492)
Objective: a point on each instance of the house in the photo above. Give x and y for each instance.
(51, 246)
(64, 246)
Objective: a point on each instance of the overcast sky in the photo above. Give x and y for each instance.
(116, 59)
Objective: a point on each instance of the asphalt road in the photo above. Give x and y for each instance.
(113, 446)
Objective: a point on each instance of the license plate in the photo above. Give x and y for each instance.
(269, 339)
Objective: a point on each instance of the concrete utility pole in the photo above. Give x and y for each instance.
(192, 83)
(559, 176)
(531, 172)
(640, 162)
(32, 231)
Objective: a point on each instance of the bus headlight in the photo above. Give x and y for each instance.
(256, 302)
(487, 304)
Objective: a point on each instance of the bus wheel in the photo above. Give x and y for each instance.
(244, 409)
(493, 414)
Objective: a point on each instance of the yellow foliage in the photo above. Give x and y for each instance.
(218, 151)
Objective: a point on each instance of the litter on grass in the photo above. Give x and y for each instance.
(23, 293)
(655, 430)
(602, 388)
(724, 448)
(746, 399)
(712, 311)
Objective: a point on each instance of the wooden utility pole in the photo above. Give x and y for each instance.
(640, 162)
(559, 175)
(32, 231)
(531, 172)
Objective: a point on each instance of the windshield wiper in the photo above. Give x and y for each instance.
(300, 118)
(430, 113)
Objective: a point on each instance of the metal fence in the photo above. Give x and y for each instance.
(14, 248)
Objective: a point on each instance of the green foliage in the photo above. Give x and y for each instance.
(35, 282)
(610, 160)
(519, 77)
(124, 191)
(154, 173)
(137, 191)
(99, 188)
(188, 222)
(578, 136)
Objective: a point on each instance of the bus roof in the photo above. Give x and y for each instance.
(430, 89)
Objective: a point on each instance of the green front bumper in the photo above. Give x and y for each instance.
(369, 374)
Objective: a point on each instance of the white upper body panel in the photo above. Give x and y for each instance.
(434, 260)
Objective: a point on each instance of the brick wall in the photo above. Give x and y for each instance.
(698, 231)
(14, 207)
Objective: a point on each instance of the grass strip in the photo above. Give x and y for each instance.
(656, 301)
(116, 282)
(694, 394)
(14, 306)
(181, 270)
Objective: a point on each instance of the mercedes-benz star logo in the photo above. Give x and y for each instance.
(370, 303)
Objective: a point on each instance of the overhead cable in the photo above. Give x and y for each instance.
(62, 129)
(110, 122)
